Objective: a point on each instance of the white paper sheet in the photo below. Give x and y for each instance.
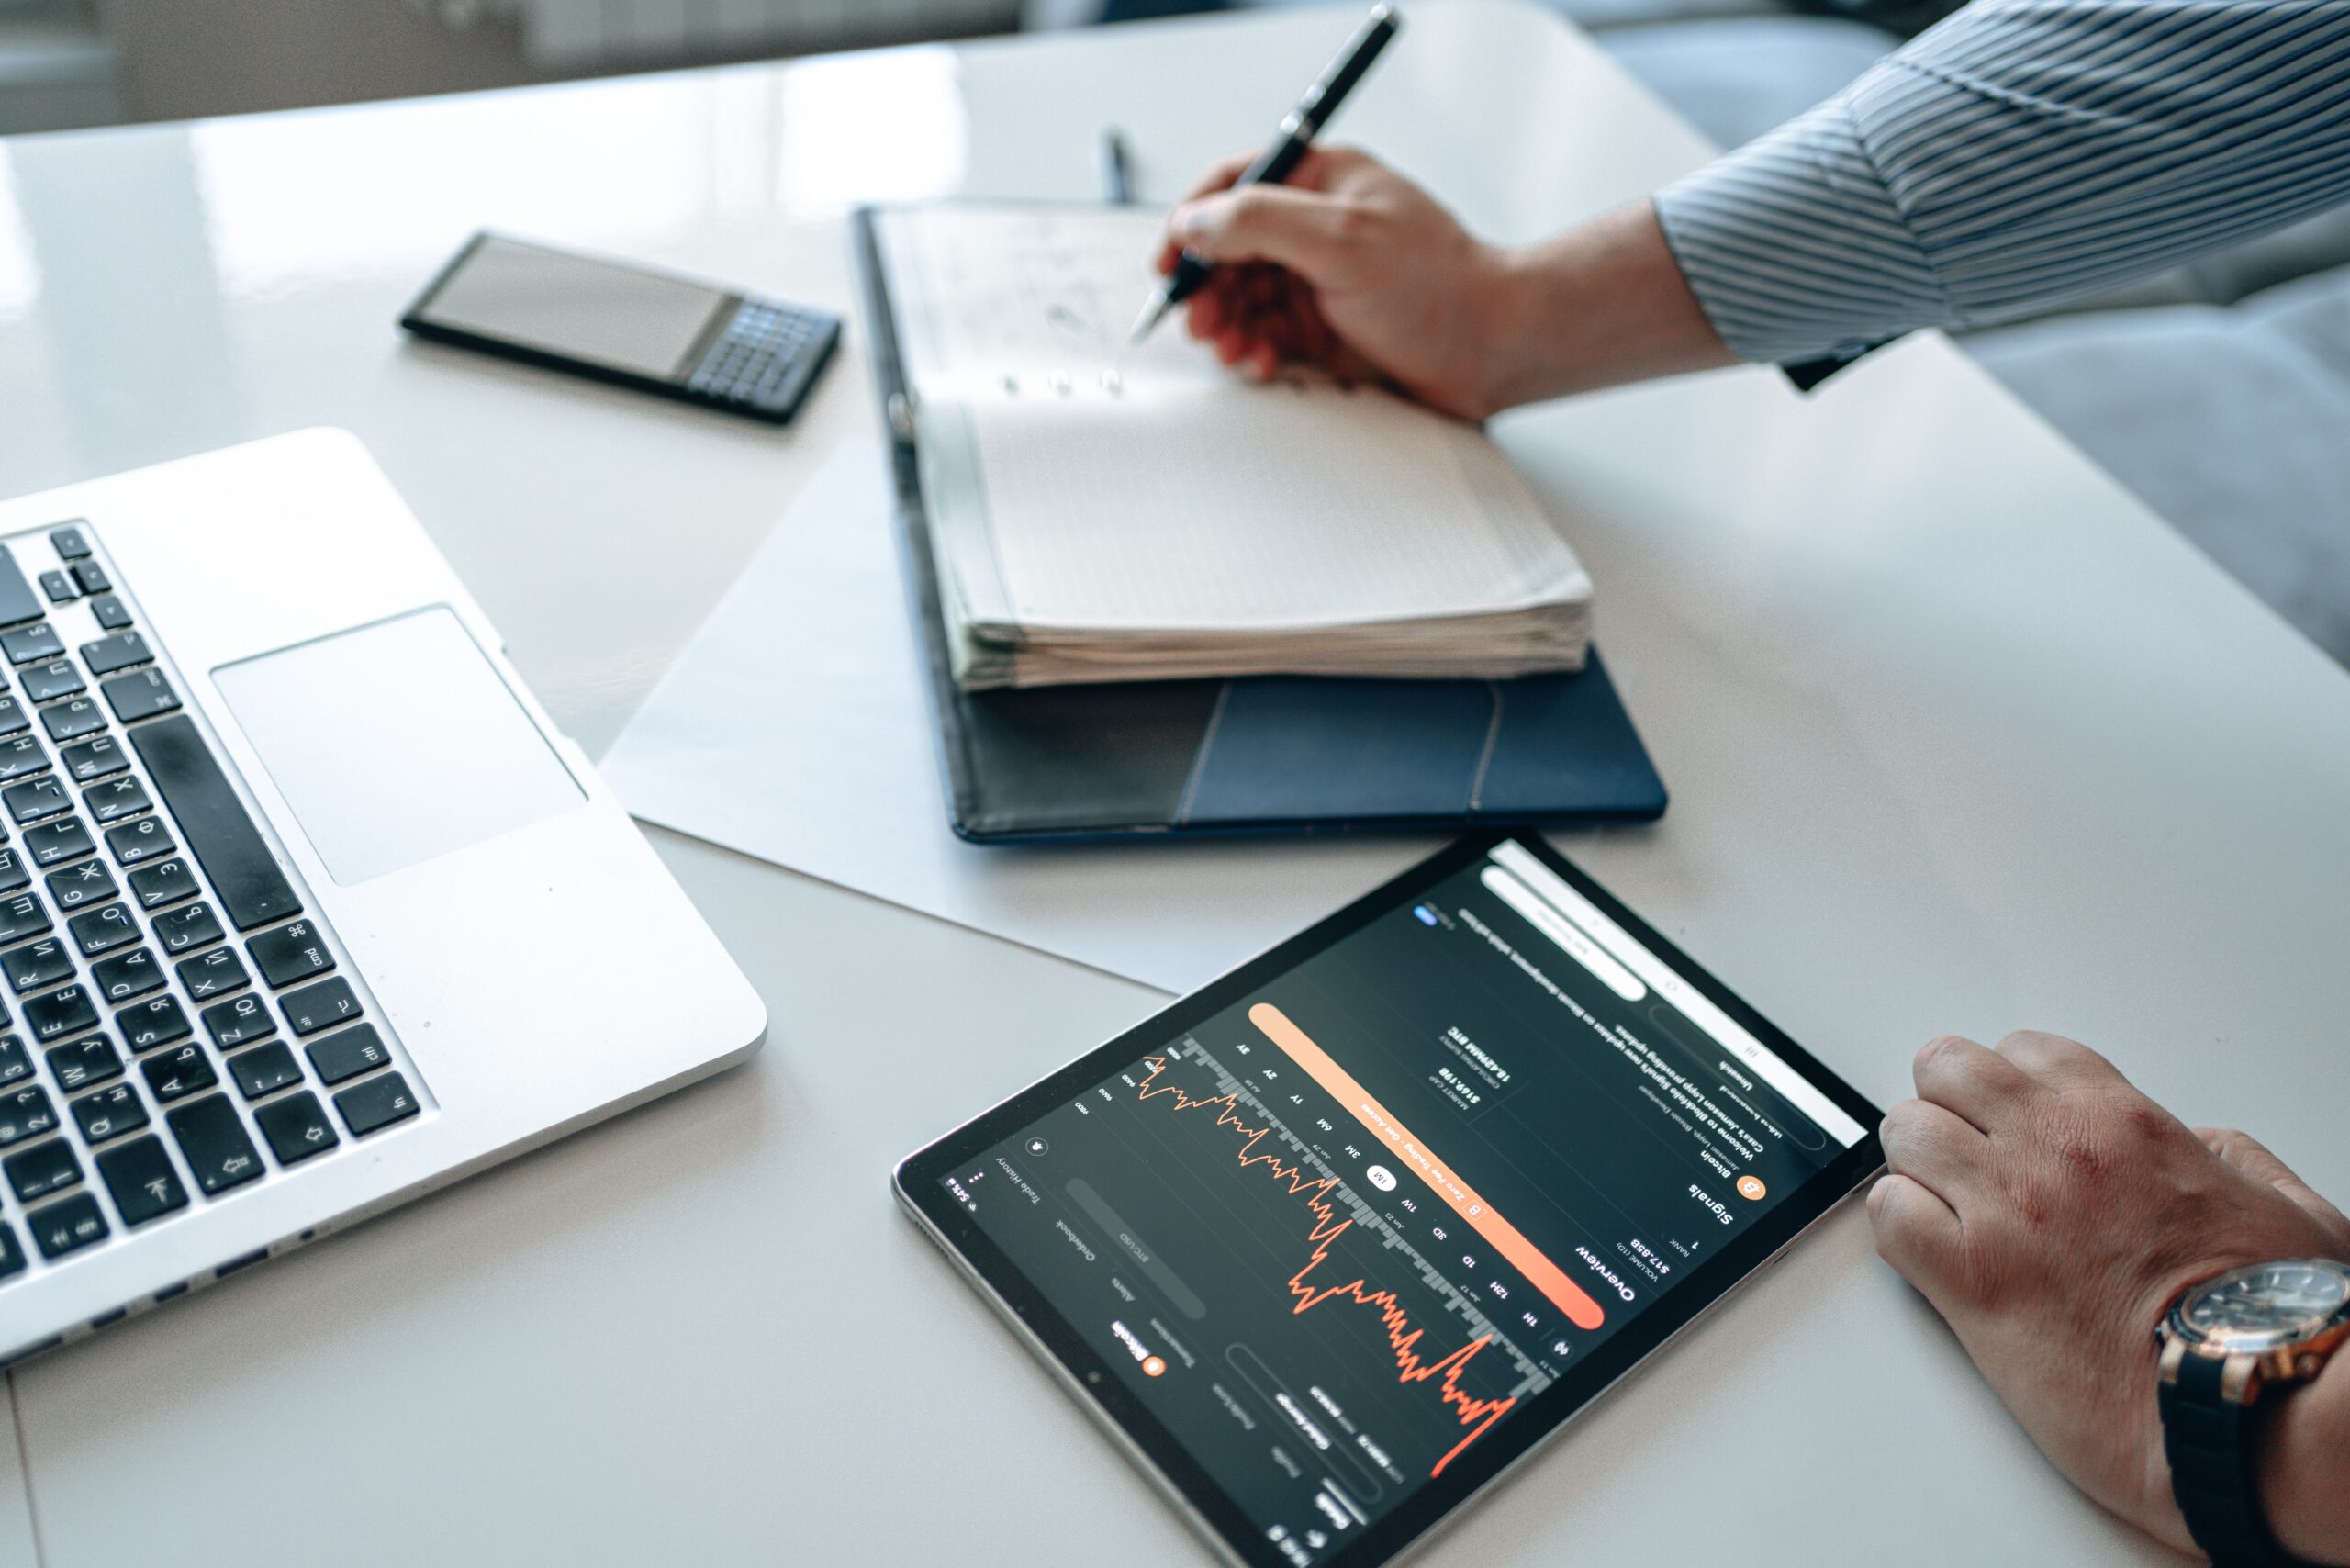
(795, 728)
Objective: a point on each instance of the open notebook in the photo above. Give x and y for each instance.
(1102, 511)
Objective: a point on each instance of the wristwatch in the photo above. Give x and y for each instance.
(2225, 1343)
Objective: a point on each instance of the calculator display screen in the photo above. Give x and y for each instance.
(574, 306)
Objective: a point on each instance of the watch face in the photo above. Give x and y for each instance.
(2266, 1305)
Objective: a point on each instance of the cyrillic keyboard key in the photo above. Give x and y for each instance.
(72, 721)
(21, 758)
(21, 916)
(36, 965)
(110, 1113)
(253, 890)
(214, 1142)
(60, 587)
(155, 1022)
(120, 651)
(116, 799)
(92, 758)
(112, 613)
(65, 1011)
(175, 1075)
(348, 1053)
(85, 1062)
(14, 719)
(127, 975)
(375, 1103)
(135, 844)
(70, 542)
(297, 1128)
(36, 799)
(140, 1177)
(319, 1006)
(93, 577)
(165, 882)
(17, 600)
(90, 883)
(265, 1069)
(48, 682)
(240, 1021)
(36, 1173)
(27, 644)
(212, 974)
(142, 694)
(187, 928)
(55, 843)
(12, 1254)
(14, 878)
(63, 1226)
(16, 1062)
(96, 931)
(290, 953)
(26, 1113)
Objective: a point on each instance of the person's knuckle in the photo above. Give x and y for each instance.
(1944, 1053)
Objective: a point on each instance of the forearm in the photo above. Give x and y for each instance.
(2305, 1467)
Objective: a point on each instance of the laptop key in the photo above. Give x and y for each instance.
(186, 929)
(348, 1053)
(12, 1252)
(16, 1062)
(36, 1173)
(14, 719)
(70, 542)
(290, 953)
(92, 758)
(140, 1177)
(47, 683)
(65, 1011)
(375, 1103)
(85, 1062)
(68, 1225)
(90, 883)
(253, 890)
(127, 975)
(35, 799)
(22, 916)
(60, 587)
(166, 882)
(110, 1113)
(297, 1128)
(17, 600)
(135, 844)
(143, 694)
(264, 1069)
(155, 1022)
(93, 577)
(216, 973)
(21, 758)
(319, 1006)
(72, 721)
(40, 964)
(177, 1074)
(120, 651)
(112, 613)
(116, 799)
(55, 843)
(214, 1142)
(96, 931)
(26, 1113)
(240, 1021)
(14, 878)
(27, 644)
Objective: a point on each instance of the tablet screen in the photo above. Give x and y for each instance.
(1337, 1235)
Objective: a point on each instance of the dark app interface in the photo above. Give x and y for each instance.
(1335, 1235)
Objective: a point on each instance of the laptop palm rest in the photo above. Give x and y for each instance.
(395, 742)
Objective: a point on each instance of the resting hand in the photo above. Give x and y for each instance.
(2051, 1213)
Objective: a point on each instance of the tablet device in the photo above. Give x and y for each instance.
(1333, 1242)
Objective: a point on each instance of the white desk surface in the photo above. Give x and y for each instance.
(1959, 738)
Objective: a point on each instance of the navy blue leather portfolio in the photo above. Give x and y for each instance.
(1262, 755)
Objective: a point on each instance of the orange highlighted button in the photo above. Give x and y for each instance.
(1502, 1235)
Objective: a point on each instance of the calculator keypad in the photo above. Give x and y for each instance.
(766, 358)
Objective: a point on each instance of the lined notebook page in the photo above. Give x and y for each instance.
(1133, 489)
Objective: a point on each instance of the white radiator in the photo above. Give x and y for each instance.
(586, 35)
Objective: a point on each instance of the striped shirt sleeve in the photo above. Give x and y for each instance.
(2022, 153)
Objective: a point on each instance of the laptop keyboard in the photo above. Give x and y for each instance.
(175, 1025)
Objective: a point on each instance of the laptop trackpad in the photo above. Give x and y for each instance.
(395, 742)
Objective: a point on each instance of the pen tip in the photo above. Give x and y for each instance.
(1152, 314)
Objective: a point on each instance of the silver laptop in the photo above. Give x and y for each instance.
(306, 908)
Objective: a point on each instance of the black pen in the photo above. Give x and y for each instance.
(1117, 188)
(1277, 162)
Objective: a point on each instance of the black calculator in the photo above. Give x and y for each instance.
(627, 326)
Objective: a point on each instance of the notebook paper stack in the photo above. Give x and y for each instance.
(1107, 512)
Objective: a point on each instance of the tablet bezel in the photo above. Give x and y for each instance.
(919, 1180)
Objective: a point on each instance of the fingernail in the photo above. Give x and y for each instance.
(1191, 220)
